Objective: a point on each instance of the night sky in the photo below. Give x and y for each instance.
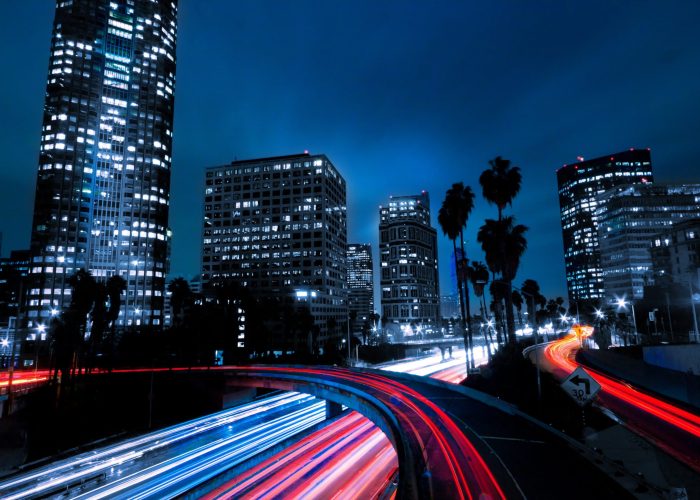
(402, 96)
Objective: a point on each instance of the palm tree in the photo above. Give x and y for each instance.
(533, 298)
(74, 319)
(498, 291)
(453, 217)
(115, 286)
(180, 290)
(501, 183)
(449, 224)
(503, 244)
(479, 276)
(517, 300)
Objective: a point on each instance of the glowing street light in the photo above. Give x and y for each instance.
(54, 312)
(622, 304)
(599, 314)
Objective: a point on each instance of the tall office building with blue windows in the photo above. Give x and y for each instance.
(580, 185)
(103, 182)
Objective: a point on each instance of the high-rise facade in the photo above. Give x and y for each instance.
(278, 227)
(579, 186)
(360, 284)
(409, 263)
(103, 183)
(629, 219)
(676, 255)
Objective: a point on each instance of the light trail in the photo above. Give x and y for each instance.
(100, 462)
(23, 377)
(562, 354)
(175, 475)
(328, 463)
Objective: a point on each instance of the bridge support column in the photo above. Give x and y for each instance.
(333, 409)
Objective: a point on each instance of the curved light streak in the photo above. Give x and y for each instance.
(562, 353)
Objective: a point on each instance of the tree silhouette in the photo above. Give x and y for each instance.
(533, 298)
(500, 183)
(180, 294)
(115, 286)
(517, 300)
(70, 330)
(452, 217)
(503, 245)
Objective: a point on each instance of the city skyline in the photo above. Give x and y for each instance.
(385, 117)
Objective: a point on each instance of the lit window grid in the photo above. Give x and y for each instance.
(408, 262)
(106, 153)
(257, 212)
(579, 184)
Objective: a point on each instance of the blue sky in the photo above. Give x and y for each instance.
(402, 96)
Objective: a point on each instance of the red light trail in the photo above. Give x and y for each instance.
(452, 458)
(620, 397)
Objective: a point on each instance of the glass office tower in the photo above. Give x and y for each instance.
(579, 185)
(103, 183)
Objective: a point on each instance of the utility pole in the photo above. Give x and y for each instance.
(692, 307)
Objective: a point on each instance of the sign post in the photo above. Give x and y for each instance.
(580, 386)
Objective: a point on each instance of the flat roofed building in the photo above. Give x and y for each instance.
(278, 227)
(409, 264)
(629, 219)
(360, 284)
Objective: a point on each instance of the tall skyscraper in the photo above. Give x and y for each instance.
(409, 264)
(629, 219)
(360, 284)
(579, 185)
(103, 183)
(277, 226)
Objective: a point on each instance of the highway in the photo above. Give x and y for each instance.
(161, 463)
(471, 446)
(172, 461)
(669, 427)
(328, 463)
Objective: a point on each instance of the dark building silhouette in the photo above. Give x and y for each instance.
(579, 185)
(103, 182)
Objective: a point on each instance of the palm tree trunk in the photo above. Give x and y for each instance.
(461, 303)
(486, 317)
(465, 280)
(510, 317)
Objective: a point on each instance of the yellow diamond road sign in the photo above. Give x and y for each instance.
(581, 386)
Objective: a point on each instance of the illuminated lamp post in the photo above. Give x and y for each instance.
(622, 304)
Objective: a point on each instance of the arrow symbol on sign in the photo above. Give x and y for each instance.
(578, 381)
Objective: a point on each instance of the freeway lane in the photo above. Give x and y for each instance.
(350, 458)
(471, 445)
(166, 462)
(669, 427)
(219, 440)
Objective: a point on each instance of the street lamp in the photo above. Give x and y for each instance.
(622, 304)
